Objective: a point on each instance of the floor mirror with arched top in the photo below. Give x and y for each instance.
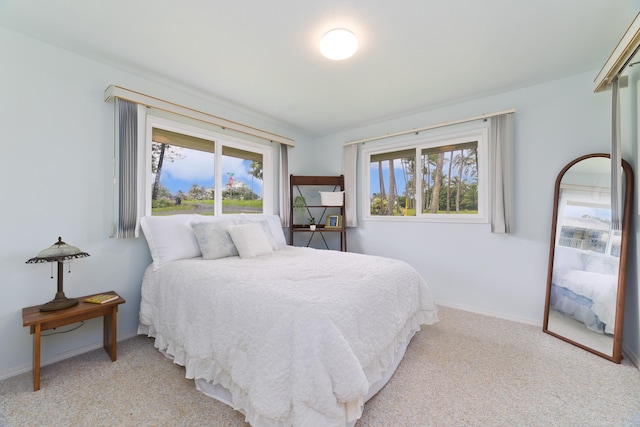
(588, 257)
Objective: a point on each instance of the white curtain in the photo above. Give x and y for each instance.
(501, 142)
(616, 159)
(349, 166)
(284, 186)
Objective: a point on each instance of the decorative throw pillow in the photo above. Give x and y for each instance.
(250, 239)
(214, 239)
(272, 220)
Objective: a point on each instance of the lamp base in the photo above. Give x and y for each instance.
(59, 304)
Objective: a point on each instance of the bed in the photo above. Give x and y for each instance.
(286, 335)
(584, 287)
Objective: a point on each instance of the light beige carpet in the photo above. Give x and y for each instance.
(468, 370)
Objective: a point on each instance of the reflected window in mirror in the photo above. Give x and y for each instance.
(587, 226)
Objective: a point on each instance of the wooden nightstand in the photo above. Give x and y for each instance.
(39, 321)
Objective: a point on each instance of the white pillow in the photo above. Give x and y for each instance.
(267, 232)
(276, 228)
(601, 263)
(272, 220)
(214, 239)
(566, 259)
(250, 240)
(170, 237)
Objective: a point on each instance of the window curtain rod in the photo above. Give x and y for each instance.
(455, 122)
(620, 57)
(114, 91)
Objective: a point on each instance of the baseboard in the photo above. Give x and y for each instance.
(523, 320)
(60, 357)
(632, 356)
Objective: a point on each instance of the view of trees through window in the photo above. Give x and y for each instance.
(184, 178)
(448, 181)
(393, 183)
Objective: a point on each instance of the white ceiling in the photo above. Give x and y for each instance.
(263, 55)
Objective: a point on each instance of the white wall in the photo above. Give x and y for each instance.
(56, 139)
(467, 266)
(57, 142)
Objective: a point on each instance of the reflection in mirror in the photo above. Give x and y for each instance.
(587, 261)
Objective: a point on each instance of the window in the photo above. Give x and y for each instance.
(193, 170)
(586, 225)
(450, 179)
(393, 183)
(438, 177)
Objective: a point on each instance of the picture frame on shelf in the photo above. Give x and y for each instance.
(333, 222)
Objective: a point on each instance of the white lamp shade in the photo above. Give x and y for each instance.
(59, 251)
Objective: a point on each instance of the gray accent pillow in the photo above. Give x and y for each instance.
(214, 239)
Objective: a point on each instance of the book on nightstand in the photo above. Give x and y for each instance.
(101, 298)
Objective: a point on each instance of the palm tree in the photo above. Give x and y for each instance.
(392, 188)
(465, 163)
(437, 182)
(429, 161)
(156, 183)
(461, 162)
(449, 182)
(383, 194)
(408, 170)
(160, 152)
(255, 169)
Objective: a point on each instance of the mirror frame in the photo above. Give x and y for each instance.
(616, 355)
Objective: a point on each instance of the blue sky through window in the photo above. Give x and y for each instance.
(198, 167)
(401, 183)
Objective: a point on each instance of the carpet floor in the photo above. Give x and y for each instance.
(467, 370)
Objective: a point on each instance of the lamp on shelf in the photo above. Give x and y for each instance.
(59, 252)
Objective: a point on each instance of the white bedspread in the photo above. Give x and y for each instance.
(600, 288)
(297, 336)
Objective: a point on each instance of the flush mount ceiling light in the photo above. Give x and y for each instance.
(338, 44)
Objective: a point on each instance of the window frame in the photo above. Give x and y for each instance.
(220, 140)
(456, 134)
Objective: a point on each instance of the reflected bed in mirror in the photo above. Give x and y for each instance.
(588, 258)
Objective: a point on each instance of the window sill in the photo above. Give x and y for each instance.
(435, 219)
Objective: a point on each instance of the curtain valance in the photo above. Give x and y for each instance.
(150, 101)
